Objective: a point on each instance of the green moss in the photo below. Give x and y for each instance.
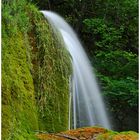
(35, 74)
(51, 76)
(18, 102)
(19, 113)
(113, 135)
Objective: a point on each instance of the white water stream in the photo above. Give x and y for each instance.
(88, 108)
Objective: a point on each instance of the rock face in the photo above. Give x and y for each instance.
(51, 72)
(35, 74)
(92, 133)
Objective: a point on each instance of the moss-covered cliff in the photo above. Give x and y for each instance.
(35, 74)
(51, 71)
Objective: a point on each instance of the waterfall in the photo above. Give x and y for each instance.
(88, 108)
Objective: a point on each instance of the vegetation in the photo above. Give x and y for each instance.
(51, 71)
(35, 74)
(18, 101)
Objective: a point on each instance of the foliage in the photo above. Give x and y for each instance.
(105, 37)
(116, 61)
(117, 68)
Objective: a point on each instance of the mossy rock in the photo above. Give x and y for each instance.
(51, 72)
(18, 100)
(112, 135)
(90, 133)
(35, 74)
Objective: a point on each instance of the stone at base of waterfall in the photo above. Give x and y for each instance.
(90, 133)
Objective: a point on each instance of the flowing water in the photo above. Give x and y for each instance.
(87, 106)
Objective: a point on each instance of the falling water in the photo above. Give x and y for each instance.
(87, 104)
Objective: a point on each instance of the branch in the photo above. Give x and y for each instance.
(66, 136)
